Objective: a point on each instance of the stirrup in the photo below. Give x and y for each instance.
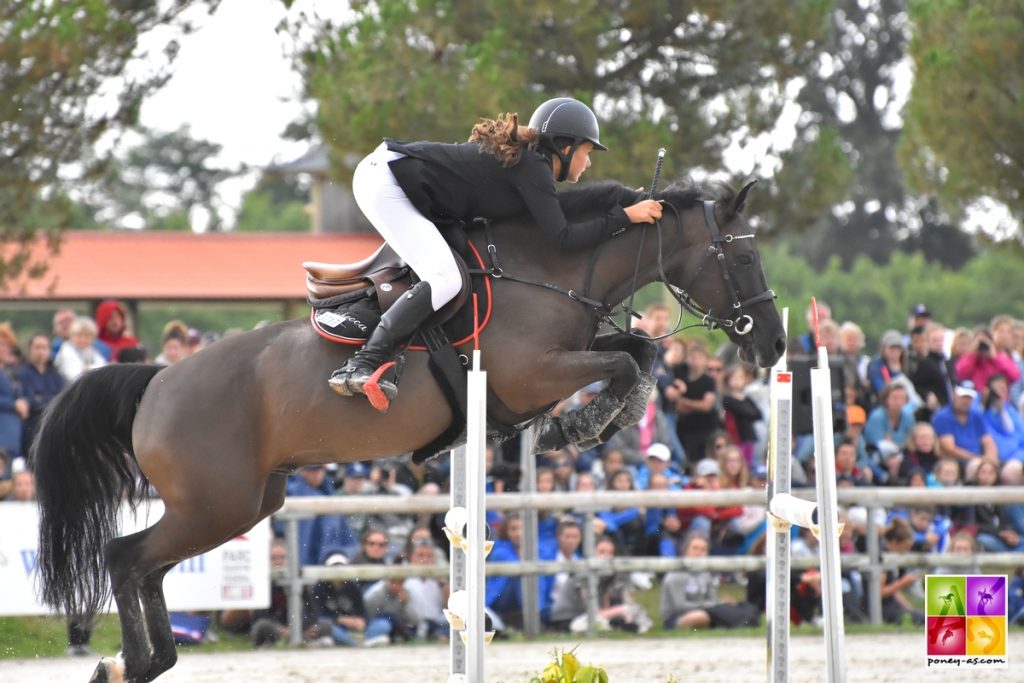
(347, 382)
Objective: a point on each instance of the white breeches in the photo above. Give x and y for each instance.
(409, 233)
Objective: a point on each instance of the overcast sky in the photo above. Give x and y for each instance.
(233, 84)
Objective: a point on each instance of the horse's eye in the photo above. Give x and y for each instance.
(745, 259)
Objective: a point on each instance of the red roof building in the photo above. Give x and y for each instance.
(184, 266)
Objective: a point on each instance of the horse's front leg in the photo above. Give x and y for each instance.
(644, 351)
(573, 370)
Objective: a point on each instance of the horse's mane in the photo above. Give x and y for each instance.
(596, 199)
(686, 192)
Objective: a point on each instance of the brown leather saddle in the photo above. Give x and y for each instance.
(383, 273)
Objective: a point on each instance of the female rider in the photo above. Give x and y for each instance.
(407, 189)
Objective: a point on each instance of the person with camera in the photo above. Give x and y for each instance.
(985, 360)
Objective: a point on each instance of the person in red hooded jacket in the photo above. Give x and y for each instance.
(111, 322)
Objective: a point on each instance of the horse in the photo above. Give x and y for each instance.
(217, 434)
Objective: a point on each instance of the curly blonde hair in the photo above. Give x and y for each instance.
(504, 138)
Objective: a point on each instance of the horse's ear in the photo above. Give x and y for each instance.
(741, 197)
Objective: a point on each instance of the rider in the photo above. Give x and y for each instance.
(407, 189)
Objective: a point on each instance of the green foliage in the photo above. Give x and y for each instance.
(682, 74)
(567, 669)
(878, 297)
(161, 182)
(815, 176)
(55, 60)
(965, 118)
(274, 204)
(840, 187)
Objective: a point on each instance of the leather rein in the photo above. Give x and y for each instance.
(736, 318)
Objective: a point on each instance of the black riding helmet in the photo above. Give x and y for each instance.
(564, 118)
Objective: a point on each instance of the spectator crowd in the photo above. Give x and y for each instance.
(930, 406)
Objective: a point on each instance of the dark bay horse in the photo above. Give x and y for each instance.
(216, 433)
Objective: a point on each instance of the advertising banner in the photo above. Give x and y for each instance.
(235, 575)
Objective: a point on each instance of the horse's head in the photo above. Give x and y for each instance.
(720, 277)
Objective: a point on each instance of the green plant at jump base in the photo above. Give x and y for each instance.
(567, 669)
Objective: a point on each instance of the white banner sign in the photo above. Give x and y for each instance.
(234, 576)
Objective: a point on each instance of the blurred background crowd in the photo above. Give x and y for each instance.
(929, 405)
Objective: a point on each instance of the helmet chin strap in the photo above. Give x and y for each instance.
(565, 160)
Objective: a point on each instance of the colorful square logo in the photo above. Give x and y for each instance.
(947, 635)
(966, 621)
(986, 636)
(986, 595)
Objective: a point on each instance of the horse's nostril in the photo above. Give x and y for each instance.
(780, 345)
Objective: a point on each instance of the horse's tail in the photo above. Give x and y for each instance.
(85, 466)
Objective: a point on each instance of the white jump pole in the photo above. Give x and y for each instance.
(457, 562)
(468, 515)
(828, 520)
(777, 548)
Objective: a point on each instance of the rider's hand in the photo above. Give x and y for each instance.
(646, 211)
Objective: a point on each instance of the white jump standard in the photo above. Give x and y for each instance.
(468, 516)
(785, 510)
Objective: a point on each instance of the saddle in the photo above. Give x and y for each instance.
(347, 302)
(382, 277)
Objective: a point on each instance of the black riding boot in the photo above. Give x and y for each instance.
(396, 327)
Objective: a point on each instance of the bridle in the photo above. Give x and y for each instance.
(736, 318)
(740, 321)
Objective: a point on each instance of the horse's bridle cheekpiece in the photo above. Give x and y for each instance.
(742, 322)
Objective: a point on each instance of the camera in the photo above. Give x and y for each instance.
(983, 346)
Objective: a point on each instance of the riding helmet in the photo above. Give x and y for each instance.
(565, 117)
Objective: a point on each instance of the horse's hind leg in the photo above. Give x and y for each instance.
(158, 623)
(154, 606)
(122, 561)
(137, 565)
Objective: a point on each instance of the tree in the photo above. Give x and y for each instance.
(842, 182)
(65, 84)
(276, 203)
(965, 117)
(680, 74)
(168, 181)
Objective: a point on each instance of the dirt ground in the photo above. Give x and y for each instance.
(875, 658)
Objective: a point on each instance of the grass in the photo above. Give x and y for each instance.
(30, 637)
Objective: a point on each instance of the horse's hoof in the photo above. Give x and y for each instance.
(109, 670)
(550, 436)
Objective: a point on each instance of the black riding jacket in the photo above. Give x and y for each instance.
(454, 183)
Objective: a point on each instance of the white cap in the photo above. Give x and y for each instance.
(659, 451)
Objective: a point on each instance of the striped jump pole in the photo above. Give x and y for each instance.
(780, 449)
(466, 527)
(822, 518)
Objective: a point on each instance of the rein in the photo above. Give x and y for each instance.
(741, 322)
